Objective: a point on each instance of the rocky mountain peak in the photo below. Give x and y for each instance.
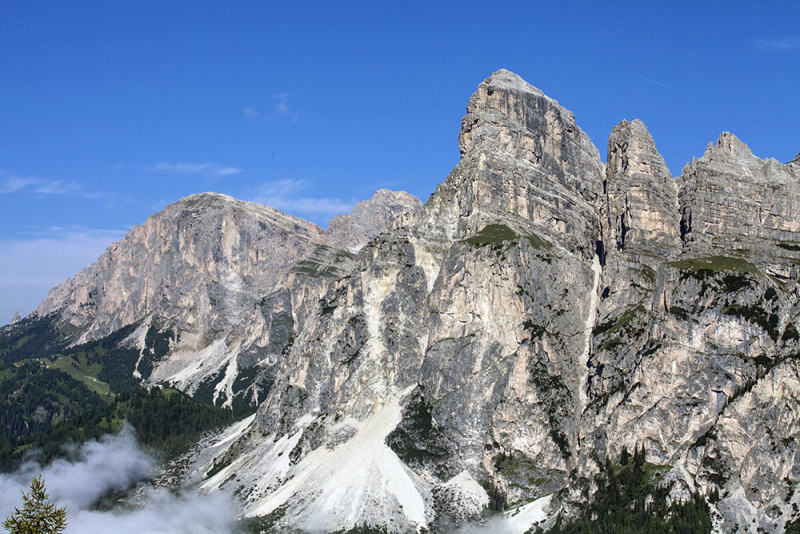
(642, 196)
(369, 217)
(505, 80)
(732, 200)
(728, 147)
(524, 164)
(481, 343)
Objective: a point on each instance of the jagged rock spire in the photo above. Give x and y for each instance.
(642, 197)
(524, 163)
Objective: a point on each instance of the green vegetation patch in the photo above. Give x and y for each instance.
(715, 263)
(556, 396)
(419, 442)
(324, 262)
(168, 421)
(629, 499)
(615, 325)
(495, 235)
(756, 315)
(79, 368)
(36, 337)
(33, 398)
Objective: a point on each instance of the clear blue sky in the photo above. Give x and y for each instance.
(111, 110)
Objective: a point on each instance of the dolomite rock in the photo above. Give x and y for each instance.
(526, 162)
(229, 280)
(542, 311)
(516, 355)
(642, 196)
(369, 218)
(731, 201)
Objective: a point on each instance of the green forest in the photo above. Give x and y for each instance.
(629, 500)
(166, 420)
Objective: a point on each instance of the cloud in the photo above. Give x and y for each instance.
(30, 184)
(30, 267)
(286, 195)
(777, 43)
(283, 103)
(661, 84)
(280, 109)
(113, 463)
(194, 168)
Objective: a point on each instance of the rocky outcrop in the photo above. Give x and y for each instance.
(200, 262)
(524, 163)
(369, 218)
(642, 199)
(733, 202)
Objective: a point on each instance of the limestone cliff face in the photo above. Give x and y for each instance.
(228, 280)
(731, 200)
(369, 218)
(642, 199)
(541, 312)
(524, 161)
(199, 262)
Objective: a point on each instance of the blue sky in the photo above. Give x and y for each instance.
(112, 110)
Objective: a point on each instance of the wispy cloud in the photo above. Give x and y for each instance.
(194, 168)
(35, 185)
(775, 44)
(281, 107)
(660, 84)
(283, 103)
(287, 195)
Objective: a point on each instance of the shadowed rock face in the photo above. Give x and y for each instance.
(541, 312)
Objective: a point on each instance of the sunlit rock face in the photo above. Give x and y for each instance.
(540, 313)
(227, 282)
(732, 200)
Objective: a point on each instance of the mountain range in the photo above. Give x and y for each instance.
(502, 346)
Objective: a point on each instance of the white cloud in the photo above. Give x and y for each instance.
(286, 195)
(777, 43)
(194, 168)
(283, 103)
(250, 113)
(115, 463)
(30, 184)
(227, 171)
(31, 267)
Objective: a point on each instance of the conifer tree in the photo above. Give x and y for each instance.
(38, 514)
(625, 456)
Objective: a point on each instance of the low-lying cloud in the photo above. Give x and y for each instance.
(114, 463)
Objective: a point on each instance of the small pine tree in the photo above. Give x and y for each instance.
(38, 514)
(625, 457)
